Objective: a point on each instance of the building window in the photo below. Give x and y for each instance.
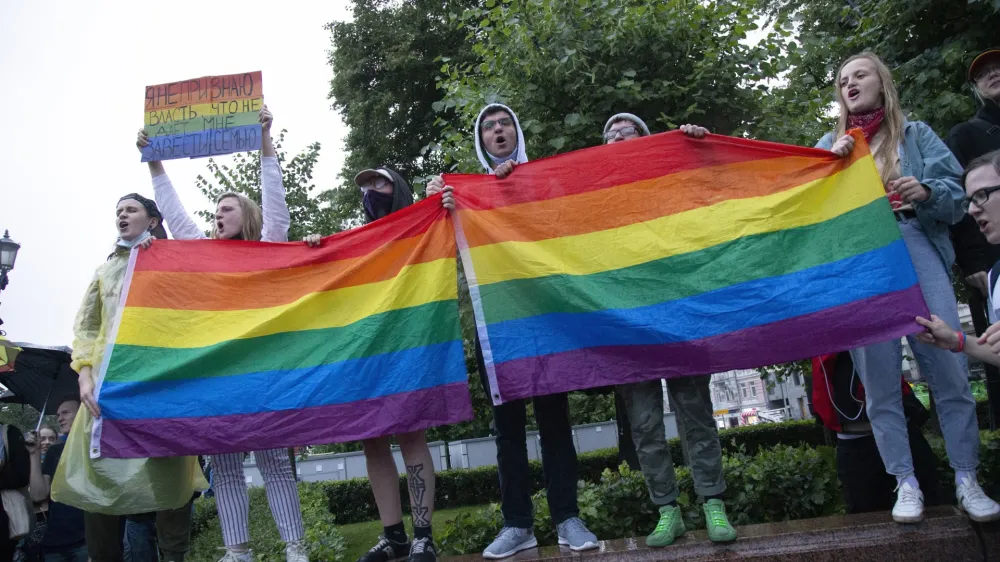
(743, 390)
(753, 389)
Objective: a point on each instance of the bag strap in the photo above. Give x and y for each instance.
(989, 128)
(993, 279)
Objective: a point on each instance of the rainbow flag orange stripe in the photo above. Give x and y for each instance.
(237, 346)
(669, 256)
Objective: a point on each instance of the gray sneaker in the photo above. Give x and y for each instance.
(574, 534)
(510, 541)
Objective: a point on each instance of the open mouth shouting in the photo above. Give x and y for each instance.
(853, 94)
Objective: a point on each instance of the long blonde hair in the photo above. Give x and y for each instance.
(253, 220)
(892, 122)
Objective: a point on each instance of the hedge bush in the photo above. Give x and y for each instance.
(324, 541)
(778, 483)
(351, 501)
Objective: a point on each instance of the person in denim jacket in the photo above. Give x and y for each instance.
(922, 182)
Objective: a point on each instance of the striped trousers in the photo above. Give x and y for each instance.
(233, 502)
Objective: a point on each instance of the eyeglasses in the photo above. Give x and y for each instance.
(503, 122)
(376, 184)
(625, 133)
(986, 71)
(979, 197)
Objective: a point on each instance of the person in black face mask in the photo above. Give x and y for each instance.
(383, 191)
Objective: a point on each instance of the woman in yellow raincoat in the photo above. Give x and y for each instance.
(107, 488)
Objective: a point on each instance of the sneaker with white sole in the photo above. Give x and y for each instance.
(234, 556)
(975, 502)
(909, 506)
(422, 550)
(509, 542)
(574, 534)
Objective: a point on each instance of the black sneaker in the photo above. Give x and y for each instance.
(423, 551)
(386, 550)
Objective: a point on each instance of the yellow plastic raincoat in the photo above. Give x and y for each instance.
(114, 486)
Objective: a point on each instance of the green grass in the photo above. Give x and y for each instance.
(362, 536)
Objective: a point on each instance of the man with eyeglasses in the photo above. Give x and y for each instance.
(500, 145)
(691, 398)
(982, 182)
(973, 253)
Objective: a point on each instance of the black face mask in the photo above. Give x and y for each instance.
(377, 204)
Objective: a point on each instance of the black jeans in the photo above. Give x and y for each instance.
(866, 484)
(558, 456)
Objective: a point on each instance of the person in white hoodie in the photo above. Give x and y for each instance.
(237, 217)
(500, 146)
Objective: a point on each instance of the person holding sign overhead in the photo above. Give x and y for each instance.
(239, 218)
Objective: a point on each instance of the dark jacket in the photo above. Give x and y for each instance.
(967, 141)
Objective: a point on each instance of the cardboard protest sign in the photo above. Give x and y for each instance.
(203, 117)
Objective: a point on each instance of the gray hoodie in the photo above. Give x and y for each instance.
(520, 156)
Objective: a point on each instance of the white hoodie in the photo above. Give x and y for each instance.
(520, 155)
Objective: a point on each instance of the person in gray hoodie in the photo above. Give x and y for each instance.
(500, 146)
(691, 399)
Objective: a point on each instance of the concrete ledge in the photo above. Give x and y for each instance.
(944, 535)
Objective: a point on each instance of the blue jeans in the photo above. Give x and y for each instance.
(140, 541)
(947, 373)
(76, 553)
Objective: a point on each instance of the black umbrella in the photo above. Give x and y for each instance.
(41, 377)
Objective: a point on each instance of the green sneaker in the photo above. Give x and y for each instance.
(716, 522)
(669, 527)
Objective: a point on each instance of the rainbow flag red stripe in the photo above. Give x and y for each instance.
(670, 256)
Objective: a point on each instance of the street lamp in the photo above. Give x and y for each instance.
(8, 253)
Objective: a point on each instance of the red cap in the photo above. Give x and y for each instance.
(979, 61)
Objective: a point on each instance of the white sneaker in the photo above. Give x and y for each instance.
(296, 551)
(972, 500)
(909, 506)
(233, 556)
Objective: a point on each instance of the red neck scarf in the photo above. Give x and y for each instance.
(868, 122)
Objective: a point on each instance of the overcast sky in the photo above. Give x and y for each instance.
(74, 75)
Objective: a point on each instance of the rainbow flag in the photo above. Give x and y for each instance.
(668, 256)
(204, 116)
(226, 346)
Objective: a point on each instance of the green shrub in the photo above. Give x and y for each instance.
(776, 484)
(324, 542)
(351, 501)
(469, 532)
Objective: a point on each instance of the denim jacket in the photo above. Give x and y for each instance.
(925, 156)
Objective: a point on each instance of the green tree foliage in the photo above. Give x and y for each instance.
(384, 70)
(565, 67)
(309, 214)
(927, 43)
(23, 416)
